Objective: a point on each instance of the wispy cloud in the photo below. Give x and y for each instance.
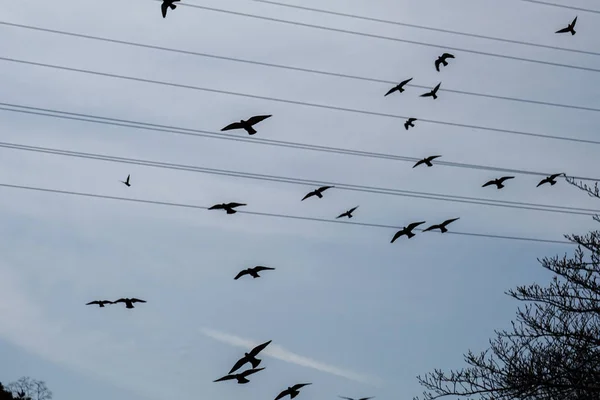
(279, 352)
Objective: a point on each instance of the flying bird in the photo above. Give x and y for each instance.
(498, 182)
(291, 391)
(250, 357)
(129, 302)
(253, 272)
(433, 92)
(241, 377)
(318, 192)
(550, 179)
(347, 213)
(167, 4)
(409, 122)
(407, 230)
(569, 28)
(127, 181)
(427, 161)
(442, 226)
(399, 87)
(442, 60)
(350, 398)
(100, 303)
(229, 207)
(247, 125)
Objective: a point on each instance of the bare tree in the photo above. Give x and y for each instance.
(29, 389)
(552, 351)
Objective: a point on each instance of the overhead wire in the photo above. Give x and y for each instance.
(546, 3)
(272, 215)
(296, 102)
(296, 69)
(45, 112)
(308, 182)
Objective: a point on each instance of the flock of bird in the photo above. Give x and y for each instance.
(249, 126)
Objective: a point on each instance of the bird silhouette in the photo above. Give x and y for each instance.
(569, 28)
(407, 230)
(442, 60)
(241, 377)
(129, 302)
(399, 87)
(167, 4)
(442, 226)
(127, 181)
(550, 179)
(433, 92)
(427, 161)
(498, 182)
(253, 272)
(247, 125)
(318, 192)
(292, 391)
(100, 303)
(347, 213)
(409, 122)
(229, 207)
(250, 357)
(350, 398)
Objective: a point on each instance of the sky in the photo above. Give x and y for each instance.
(346, 310)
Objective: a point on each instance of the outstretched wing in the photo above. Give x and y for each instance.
(492, 182)
(435, 89)
(437, 64)
(397, 235)
(405, 82)
(446, 55)
(554, 176)
(428, 94)
(350, 211)
(256, 119)
(251, 371)
(542, 182)
(414, 225)
(134, 300)
(418, 163)
(163, 8)
(93, 302)
(235, 125)
(449, 221)
(308, 195)
(563, 30)
(236, 204)
(342, 215)
(282, 394)
(259, 268)
(574, 22)
(225, 378)
(120, 301)
(392, 90)
(238, 364)
(505, 178)
(240, 274)
(324, 188)
(366, 398)
(431, 158)
(259, 348)
(216, 207)
(432, 227)
(344, 397)
(299, 385)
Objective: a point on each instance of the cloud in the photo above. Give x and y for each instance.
(280, 353)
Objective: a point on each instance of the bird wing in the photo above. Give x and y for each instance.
(397, 235)
(405, 82)
(134, 300)
(251, 371)
(93, 302)
(574, 22)
(259, 348)
(414, 225)
(324, 188)
(447, 55)
(556, 175)
(542, 182)
(282, 394)
(350, 211)
(238, 364)
(449, 221)
(505, 178)
(163, 8)
(431, 158)
(347, 398)
(342, 215)
(308, 195)
(432, 227)
(259, 268)
(236, 204)
(437, 65)
(435, 89)
(428, 94)
(412, 119)
(225, 378)
(419, 163)
(120, 301)
(563, 30)
(366, 398)
(235, 125)
(392, 90)
(240, 274)
(216, 207)
(492, 182)
(257, 118)
(299, 385)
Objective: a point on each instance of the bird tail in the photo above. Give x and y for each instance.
(349, 215)
(293, 394)
(242, 380)
(231, 211)
(319, 195)
(445, 63)
(410, 234)
(251, 130)
(429, 164)
(500, 186)
(443, 229)
(552, 183)
(173, 6)
(572, 31)
(255, 362)
(434, 96)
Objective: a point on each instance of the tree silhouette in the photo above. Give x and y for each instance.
(5, 394)
(552, 351)
(29, 389)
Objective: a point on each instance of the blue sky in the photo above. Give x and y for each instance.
(346, 310)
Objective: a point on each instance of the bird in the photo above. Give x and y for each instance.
(442, 226)
(229, 207)
(127, 181)
(407, 230)
(347, 213)
(253, 272)
(241, 377)
(250, 357)
(399, 87)
(100, 303)
(409, 122)
(318, 192)
(129, 302)
(498, 182)
(569, 28)
(442, 60)
(427, 161)
(433, 92)
(292, 391)
(247, 125)
(550, 179)
(350, 398)
(167, 4)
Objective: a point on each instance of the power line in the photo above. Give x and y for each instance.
(296, 102)
(307, 182)
(393, 39)
(423, 27)
(45, 112)
(255, 213)
(563, 6)
(297, 69)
